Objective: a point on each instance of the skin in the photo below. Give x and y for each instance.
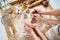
(30, 29)
(55, 12)
(37, 14)
(48, 21)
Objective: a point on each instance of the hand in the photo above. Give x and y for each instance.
(36, 11)
(30, 29)
(38, 16)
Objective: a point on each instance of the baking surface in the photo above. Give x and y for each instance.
(19, 24)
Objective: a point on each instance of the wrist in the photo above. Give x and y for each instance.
(44, 12)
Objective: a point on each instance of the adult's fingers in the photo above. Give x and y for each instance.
(37, 15)
(40, 12)
(37, 10)
(34, 12)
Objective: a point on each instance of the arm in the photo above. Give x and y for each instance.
(33, 30)
(34, 35)
(40, 34)
(55, 12)
(48, 21)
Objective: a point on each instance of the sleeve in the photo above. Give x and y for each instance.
(53, 33)
(59, 29)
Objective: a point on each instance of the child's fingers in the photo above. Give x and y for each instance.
(28, 29)
(32, 25)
